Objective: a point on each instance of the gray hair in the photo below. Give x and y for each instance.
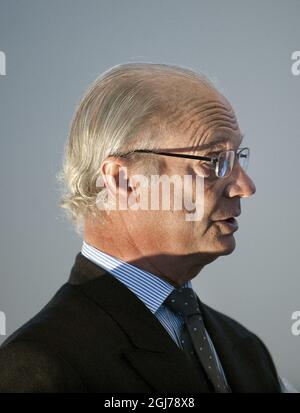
(123, 110)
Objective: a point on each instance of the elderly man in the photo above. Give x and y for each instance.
(128, 319)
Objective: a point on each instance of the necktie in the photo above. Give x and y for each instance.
(194, 338)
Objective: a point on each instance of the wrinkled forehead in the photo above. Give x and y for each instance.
(206, 120)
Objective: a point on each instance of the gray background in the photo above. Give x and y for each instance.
(55, 49)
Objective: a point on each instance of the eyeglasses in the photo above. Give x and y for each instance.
(222, 164)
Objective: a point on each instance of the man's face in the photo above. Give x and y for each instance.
(205, 122)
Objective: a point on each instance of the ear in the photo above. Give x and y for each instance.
(115, 173)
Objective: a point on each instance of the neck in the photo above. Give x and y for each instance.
(175, 269)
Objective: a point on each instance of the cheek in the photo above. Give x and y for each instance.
(213, 194)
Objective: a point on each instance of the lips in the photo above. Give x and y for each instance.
(230, 220)
(230, 224)
(229, 217)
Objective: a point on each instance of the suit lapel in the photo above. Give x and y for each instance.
(243, 362)
(153, 353)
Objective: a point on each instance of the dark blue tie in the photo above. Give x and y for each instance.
(194, 338)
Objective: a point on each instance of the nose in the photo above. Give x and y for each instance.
(240, 184)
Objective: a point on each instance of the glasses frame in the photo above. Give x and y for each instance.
(213, 160)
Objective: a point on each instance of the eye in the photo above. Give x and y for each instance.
(214, 154)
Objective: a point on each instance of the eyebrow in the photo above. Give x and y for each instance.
(219, 143)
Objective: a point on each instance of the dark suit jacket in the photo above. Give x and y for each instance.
(95, 335)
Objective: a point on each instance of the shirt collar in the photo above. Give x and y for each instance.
(149, 288)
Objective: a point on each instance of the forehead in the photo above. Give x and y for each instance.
(218, 138)
(206, 120)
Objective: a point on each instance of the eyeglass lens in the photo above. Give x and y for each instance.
(226, 161)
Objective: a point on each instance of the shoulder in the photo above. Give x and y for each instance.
(33, 358)
(65, 317)
(241, 335)
(28, 367)
(52, 319)
(229, 323)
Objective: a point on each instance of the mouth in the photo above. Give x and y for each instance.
(229, 224)
(231, 220)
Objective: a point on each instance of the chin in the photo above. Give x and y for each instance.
(226, 245)
(223, 246)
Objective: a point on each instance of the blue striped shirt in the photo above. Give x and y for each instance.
(149, 288)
